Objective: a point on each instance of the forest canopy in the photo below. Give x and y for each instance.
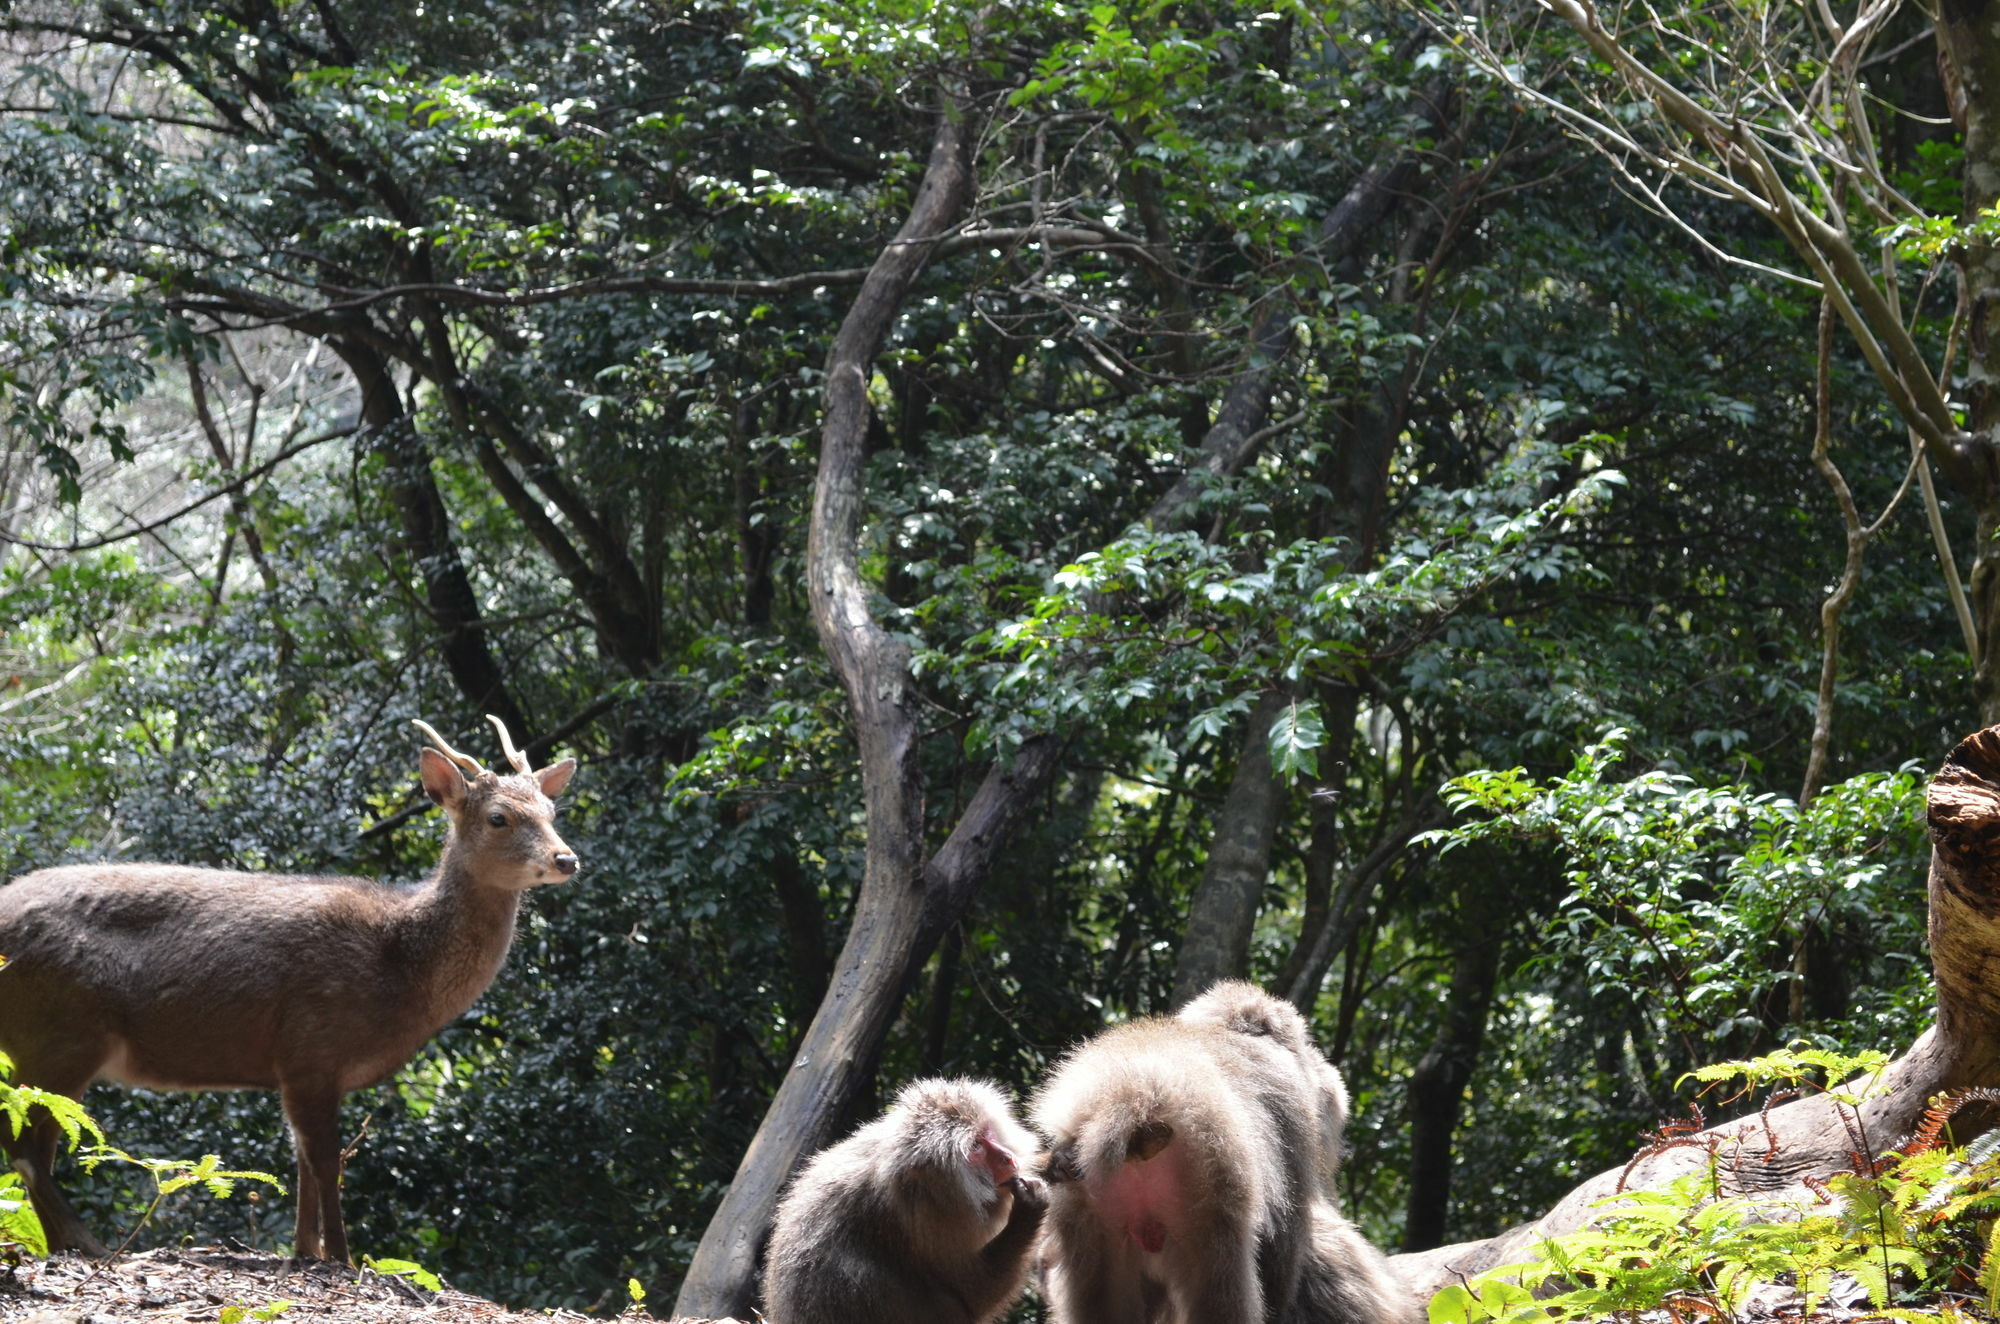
(1380, 499)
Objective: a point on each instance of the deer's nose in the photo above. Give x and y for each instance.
(567, 863)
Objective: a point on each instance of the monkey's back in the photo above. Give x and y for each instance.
(816, 1268)
(1188, 1077)
(840, 1249)
(1346, 1280)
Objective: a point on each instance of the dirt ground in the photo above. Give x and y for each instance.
(216, 1286)
(211, 1285)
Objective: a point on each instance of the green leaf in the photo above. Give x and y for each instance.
(1296, 737)
(1454, 1304)
(409, 1269)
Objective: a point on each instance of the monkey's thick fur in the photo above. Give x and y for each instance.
(1346, 1280)
(920, 1217)
(1190, 1162)
(1235, 1004)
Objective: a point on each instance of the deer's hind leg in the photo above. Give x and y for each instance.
(33, 1152)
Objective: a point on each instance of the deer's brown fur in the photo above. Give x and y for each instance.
(173, 977)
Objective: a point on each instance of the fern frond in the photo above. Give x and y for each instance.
(1983, 1148)
(1989, 1269)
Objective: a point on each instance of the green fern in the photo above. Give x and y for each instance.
(18, 1224)
(1848, 1078)
(16, 1100)
(1918, 1215)
(172, 1175)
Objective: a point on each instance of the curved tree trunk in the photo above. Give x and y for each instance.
(838, 1052)
(907, 903)
(1960, 1051)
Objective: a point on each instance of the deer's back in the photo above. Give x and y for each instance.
(184, 977)
(155, 911)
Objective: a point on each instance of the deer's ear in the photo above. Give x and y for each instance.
(556, 776)
(443, 783)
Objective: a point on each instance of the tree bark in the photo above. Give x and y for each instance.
(1437, 1087)
(1320, 861)
(1969, 36)
(805, 936)
(1223, 911)
(412, 490)
(840, 1046)
(1960, 1051)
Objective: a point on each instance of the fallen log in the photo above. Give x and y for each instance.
(1771, 1155)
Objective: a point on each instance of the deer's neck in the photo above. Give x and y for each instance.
(456, 936)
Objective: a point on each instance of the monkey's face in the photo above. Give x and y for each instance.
(965, 1133)
(974, 1154)
(991, 1156)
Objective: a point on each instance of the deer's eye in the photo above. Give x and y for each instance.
(497, 819)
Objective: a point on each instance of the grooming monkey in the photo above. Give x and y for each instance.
(1183, 1158)
(1191, 1160)
(1238, 1005)
(923, 1216)
(1345, 1279)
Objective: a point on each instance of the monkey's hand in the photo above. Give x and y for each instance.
(1031, 1199)
(1007, 1255)
(1060, 1164)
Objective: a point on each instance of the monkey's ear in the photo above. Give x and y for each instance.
(1148, 1139)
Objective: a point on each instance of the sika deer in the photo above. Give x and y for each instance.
(206, 979)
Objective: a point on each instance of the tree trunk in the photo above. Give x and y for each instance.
(840, 1046)
(805, 937)
(1969, 36)
(1960, 1051)
(1437, 1086)
(1223, 910)
(412, 489)
(1322, 857)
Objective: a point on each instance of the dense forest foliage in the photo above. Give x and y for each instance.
(1384, 546)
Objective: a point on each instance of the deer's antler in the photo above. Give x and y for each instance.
(514, 756)
(465, 761)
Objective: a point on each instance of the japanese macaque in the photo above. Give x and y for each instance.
(1243, 1007)
(1346, 1280)
(1190, 1162)
(1183, 1158)
(923, 1216)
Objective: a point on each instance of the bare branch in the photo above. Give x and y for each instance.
(237, 484)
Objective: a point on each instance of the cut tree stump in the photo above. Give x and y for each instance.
(1773, 1154)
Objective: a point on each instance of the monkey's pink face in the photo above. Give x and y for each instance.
(994, 1159)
